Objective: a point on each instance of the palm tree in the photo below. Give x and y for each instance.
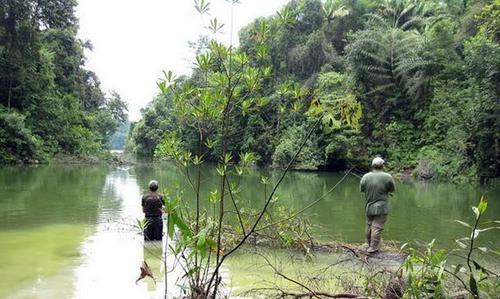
(387, 57)
(405, 14)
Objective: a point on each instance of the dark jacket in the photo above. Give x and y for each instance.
(152, 204)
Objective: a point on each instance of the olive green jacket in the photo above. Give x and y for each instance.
(377, 185)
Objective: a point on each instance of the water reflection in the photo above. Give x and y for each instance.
(111, 258)
(112, 255)
(67, 231)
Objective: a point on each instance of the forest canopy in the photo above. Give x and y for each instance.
(426, 74)
(49, 103)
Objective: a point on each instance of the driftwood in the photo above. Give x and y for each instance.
(145, 271)
(390, 255)
(310, 293)
(318, 294)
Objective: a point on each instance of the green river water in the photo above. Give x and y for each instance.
(65, 231)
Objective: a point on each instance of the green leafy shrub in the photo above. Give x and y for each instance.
(425, 271)
(430, 273)
(310, 158)
(402, 139)
(17, 142)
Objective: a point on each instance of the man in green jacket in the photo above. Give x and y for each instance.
(377, 185)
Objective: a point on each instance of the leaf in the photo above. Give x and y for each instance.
(463, 223)
(197, 160)
(220, 169)
(482, 206)
(286, 16)
(245, 106)
(170, 226)
(162, 85)
(186, 232)
(215, 25)
(141, 224)
(238, 170)
(473, 286)
(209, 143)
(227, 158)
(201, 239)
(458, 268)
(169, 76)
(213, 197)
(203, 61)
(440, 273)
(462, 245)
(192, 271)
(476, 212)
(212, 244)
(330, 122)
(483, 249)
(479, 267)
(474, 234)
(487, 229)
(201, 6)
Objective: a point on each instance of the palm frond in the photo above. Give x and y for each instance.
(380, 69)
(380, 88)
(380, 20)
(410, 64)
(412, 22)
(378, 58)
(380, 77)
(372, 41)
(405, 11)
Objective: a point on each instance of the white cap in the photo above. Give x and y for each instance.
(378, 161)
(153, 184)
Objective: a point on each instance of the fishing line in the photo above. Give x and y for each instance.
(311, 204)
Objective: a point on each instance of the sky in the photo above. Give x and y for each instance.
(135, 40)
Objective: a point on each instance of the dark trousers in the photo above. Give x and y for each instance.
(154, 229)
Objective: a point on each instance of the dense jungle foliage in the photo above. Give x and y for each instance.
(426, 74)
(49, 104)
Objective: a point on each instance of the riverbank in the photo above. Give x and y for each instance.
(336, 271)
(421, 173)
(121, 158)
(117, 158)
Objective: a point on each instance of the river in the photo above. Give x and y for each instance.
(66, 230)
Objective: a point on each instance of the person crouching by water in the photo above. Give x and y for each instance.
(152, 206)
(377, 185)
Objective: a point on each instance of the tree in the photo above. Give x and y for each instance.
(406, 64)
(42, 78)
